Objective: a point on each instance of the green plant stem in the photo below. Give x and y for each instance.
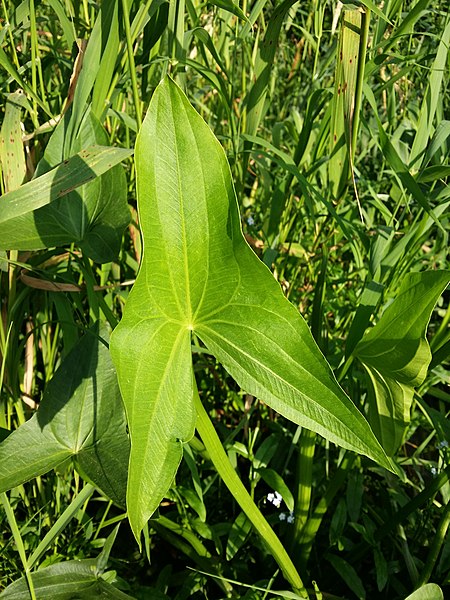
(19, 543)
(364, 36)
(312, 525)
(33, 34)
(435, 547)
(61, 523)
(131, 63)
(306, 447)
(229, 476)
(176, 31)
(11, 38)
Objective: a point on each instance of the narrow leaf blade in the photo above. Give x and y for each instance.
(92, 216)
(76, 171)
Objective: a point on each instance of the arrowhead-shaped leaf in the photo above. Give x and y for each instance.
(198, 274)
(81, 417)
(396, 354)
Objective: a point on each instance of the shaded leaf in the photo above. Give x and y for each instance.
(239, 533)
(80, 416)
(348, 574)
(49, 211)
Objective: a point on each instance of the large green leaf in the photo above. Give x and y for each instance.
(81, 416)
(396, 355)
(199, 275)
(49, 212)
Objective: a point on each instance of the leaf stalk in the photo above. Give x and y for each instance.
(19, 543)
(229, 476)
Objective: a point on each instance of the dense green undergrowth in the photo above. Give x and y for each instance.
(257, 469)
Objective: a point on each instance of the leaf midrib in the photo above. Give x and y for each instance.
(166, 372)
(277, 376)
(183, 229)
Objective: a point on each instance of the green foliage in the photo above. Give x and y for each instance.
(34, 217)
(430, 591)
(199, 277)
(80, 416)
(93, 216)
(396, 354)
(350, 218)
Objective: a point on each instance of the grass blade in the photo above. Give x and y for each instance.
(76, 171)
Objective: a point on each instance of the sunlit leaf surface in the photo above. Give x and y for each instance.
(199, 275)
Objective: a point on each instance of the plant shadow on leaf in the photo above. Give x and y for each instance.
(93, 215)
(81, 417)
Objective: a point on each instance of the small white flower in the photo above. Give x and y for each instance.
(443, 444)
(291, 517)
(275, 499)
(282, 516)
(433, 470)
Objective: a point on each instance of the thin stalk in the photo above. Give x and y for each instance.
(131, 63)
(435, 547)
(37, 58)
(441, 334)
(136, 30)
(102, 520)
(176, 32)
(312, 525)
(306, 447)
(229, 476)
(86, 13)
(318, 12)
(243, 71)
(11, 38)
(61, 523)
(19, 543)
(364, 36)
(33, 34)
(4, 352)
(13, 256)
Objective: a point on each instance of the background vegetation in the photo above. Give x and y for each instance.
(340, 224)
